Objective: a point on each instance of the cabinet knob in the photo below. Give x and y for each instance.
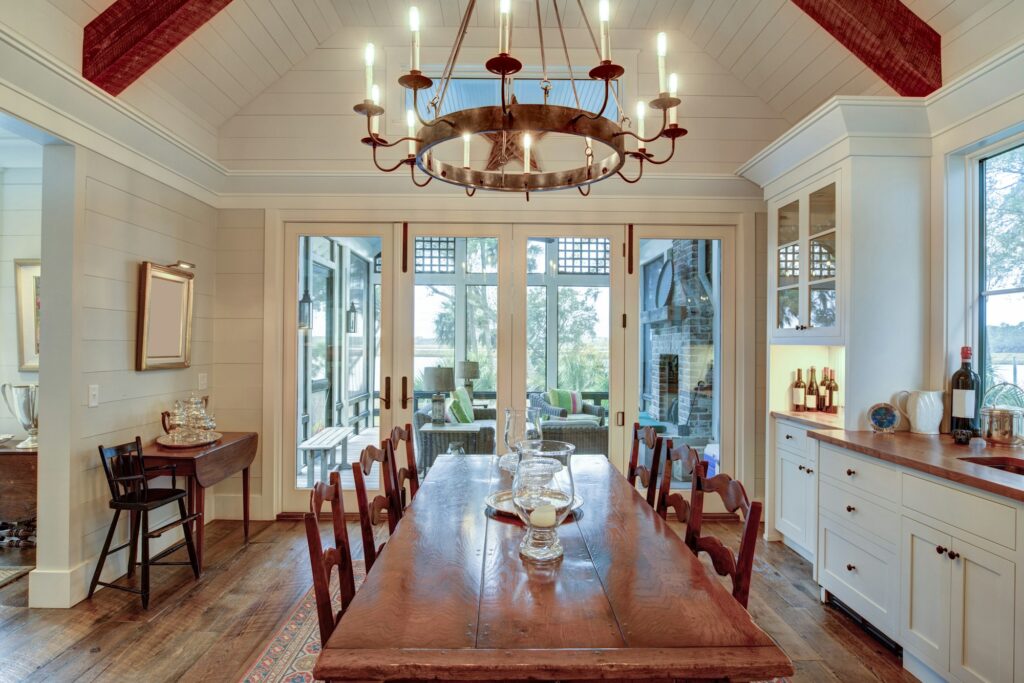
(850, 567)
(953, 555)
(801, 468)
(850, 508)
(939, 549)
(850, 473)
(809, 470)
(789, 437)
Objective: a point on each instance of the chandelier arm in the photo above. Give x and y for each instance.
(378, 141)
(387, 170)
(637, 179)
(671, 154)
(412, 174)
(664, 123)
(568, 62)
(453, 57)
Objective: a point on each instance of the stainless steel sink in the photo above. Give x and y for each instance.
(999, 462)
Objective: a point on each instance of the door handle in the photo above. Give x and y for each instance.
(405, 393)
(385, 400)
(620, 418)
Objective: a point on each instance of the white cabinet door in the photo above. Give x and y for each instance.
(810, 473)
(791, 493)
(982, 597)
(924, 601)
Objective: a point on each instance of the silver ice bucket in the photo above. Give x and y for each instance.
(23, 402)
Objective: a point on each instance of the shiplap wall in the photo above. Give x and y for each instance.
(130, 218)
(20, 223)
(238, 345)
(304, 121)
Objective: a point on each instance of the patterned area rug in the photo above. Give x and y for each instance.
(8, 574)
(292, 652)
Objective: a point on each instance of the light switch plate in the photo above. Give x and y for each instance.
(94, 395)
(202, 380)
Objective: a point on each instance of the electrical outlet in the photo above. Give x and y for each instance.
(202, 381)
(94, 395)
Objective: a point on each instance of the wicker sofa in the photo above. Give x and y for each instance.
(586, 436)
(429, 445)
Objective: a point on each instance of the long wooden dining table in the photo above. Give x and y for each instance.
(451, 599)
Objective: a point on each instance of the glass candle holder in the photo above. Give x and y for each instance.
(543, 492)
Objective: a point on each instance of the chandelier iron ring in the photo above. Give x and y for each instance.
(522, 118)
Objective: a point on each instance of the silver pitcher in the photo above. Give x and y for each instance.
(23, 402)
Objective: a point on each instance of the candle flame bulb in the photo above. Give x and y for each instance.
(504, 25)
(641, 110)
(368, 55)
(602, 10)
(414, 26)
(414, 18)
(662, 44)
(604, 14)
(662, 51)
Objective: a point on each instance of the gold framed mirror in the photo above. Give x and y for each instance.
(164, 333)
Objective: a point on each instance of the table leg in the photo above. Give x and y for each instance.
(245, 503)
(200, 523)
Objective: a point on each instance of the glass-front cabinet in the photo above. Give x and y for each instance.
(803, 244)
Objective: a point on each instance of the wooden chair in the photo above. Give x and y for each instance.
(410, 473)
(690, 458)
(369, 511)
(648, 476)
(127, 477)
(738, 567)
(322, 561)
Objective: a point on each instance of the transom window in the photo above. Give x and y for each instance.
(1001, 309)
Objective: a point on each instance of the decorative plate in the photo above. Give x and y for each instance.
(168, 441)
(664, 289)
(501, 503)
(883, 417)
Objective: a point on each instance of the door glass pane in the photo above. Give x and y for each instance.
(789, 265)
(788, 313)
(680, 360)
(568, 329)
(823, 209)
(337, 366)
(455, 330)
(823, 304)
(789, 223)
(823, 256)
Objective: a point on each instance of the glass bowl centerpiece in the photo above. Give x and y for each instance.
(543, 493)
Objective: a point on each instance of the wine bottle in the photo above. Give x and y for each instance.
(823, 392)
(966, 387)
(833, 393)
(799, 392)
(811, 398)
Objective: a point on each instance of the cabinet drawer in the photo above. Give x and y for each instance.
(871, 519)
(859, 472)
(860, 574)
(790, 437)
(986, 518)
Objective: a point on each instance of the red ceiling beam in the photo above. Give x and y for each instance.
(131, 36)
(890, 39)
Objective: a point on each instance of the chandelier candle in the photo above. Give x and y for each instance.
(604, 15)
(641, 110)
(662, 51)
(466, 137)
(673, 91)
(527, 143)
(375, 120)
(414, 26)
(410, 120)
(369, 71)
(504, 26)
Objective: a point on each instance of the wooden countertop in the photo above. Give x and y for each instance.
(815, 419)
(934, 454)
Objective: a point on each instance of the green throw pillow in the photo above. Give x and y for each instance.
(570, 401)
(462, 407)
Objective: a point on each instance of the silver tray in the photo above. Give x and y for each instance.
(501, 503)
(167, 441)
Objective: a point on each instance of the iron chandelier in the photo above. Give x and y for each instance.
(510, 118)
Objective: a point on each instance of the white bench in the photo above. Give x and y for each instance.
(327, 440)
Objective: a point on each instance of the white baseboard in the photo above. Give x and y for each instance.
(919, 669)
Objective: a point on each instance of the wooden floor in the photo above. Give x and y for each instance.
(211, 630)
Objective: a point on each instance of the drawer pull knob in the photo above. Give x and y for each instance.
(850, 568)
(801, 468)
(809, 470)
(953, 555)
(850, 473)
(940, 550)
(789, 436)
(850, 508)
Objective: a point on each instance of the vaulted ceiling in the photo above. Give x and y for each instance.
(752, 68)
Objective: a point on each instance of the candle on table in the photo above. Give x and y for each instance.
(604, 14)
(641, 110)
(504, 24)
(369, 70)
(375, 120)
(673, 90)
(527, 142)
(414, 26)
(466, 137)
(410, 119)
(662, 51)
(543, 516)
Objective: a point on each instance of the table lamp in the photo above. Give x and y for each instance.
(440, 381)
(468, 370)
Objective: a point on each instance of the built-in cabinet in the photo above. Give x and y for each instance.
(929, 563)
(803, 246)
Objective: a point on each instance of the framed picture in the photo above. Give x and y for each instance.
(26, 292)
(164, 332)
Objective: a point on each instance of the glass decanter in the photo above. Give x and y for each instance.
(520, 425)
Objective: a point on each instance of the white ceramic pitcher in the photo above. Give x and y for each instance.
(923, 409)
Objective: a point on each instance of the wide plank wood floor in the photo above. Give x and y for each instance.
(211, 630)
